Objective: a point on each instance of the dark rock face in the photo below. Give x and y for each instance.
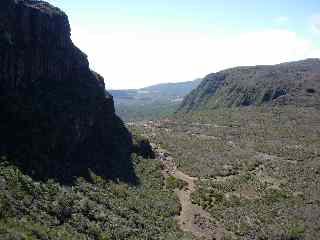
(56, 117)
(144, 149)
(295, 83)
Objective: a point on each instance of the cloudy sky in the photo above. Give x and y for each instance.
(136, 43)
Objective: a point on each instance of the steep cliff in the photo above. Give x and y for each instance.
(294, 83)
(57, 121)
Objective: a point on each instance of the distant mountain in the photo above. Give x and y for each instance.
(164, 91)
(295, 83)
(151, 102)
(174, 89)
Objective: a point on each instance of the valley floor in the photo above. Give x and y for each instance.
(256, 171)
(192, 218)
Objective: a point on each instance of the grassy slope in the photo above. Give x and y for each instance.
(259, 167)
(295, 83)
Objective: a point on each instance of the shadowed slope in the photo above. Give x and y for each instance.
(56, 119)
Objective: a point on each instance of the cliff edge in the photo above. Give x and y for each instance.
(57, 121)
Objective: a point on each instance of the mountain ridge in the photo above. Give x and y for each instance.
(285, 83)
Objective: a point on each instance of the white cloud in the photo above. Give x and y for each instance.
(315, 21)
(281, 19)
(132, 59)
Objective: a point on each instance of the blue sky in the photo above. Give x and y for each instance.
(136, 43)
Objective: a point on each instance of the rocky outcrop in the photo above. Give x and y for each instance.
(57, 121)
(294, 83)
(143, 148)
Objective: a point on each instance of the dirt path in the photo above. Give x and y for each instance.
(192, 217)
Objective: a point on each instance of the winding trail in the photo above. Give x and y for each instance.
(192, 217)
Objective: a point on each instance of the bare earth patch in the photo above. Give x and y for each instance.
(192, 218)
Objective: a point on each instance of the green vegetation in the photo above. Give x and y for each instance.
(99, 210)
(174, 183)
(157, 101)
(145, 110)
(296, 231)
(258, 167)
(294, 83)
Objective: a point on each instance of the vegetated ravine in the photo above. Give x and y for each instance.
(245, 140)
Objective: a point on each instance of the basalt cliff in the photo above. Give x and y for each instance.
(56, 121)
